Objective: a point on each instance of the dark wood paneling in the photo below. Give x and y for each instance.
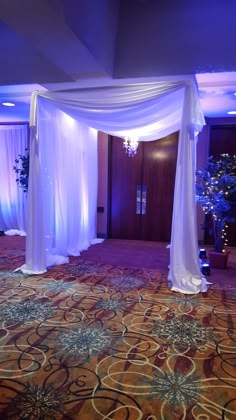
(159, 174)
(125, 175)
(222, 140)
(154, 167)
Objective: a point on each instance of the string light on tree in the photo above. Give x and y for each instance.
(216, 193)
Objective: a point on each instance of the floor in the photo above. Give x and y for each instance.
(103, 337)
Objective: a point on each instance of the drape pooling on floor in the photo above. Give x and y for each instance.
(13, 141)
(148, 110)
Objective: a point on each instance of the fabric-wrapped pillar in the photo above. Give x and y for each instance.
(35, 239)
(185, 274)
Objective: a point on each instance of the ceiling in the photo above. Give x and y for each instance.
(66, 44)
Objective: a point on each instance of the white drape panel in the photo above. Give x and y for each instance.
(184, 270)
(13, 141)
(62, 189)
(151, 111)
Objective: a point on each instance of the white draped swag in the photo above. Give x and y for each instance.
(13, 141)
(63, 170)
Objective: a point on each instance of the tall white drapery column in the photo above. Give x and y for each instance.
(184, 273)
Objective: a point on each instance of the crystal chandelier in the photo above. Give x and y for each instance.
(130, 144)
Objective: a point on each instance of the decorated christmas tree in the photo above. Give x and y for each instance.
(216, 193)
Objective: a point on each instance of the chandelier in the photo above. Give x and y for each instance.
(130, 144)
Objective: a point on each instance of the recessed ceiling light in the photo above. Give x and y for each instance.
(231, 112)
(8, 104)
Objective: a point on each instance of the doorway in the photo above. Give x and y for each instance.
(141, 189)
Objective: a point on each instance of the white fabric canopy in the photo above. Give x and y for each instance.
(13, 141)
(150, 111)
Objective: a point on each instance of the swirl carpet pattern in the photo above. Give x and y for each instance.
(95, 341)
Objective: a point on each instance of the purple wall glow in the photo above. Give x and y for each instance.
(20, 61)
(95, 24)
(164, 37)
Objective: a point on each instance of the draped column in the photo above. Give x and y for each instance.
(185, 274)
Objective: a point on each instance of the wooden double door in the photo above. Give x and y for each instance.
(142, 189)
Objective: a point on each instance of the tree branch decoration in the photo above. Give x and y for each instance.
(216, 194)
(22, 170)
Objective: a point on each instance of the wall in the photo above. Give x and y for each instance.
(102, 202)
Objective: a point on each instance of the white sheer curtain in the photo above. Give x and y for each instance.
(184, 270)
(13, 141)
(62, 190)
(151, 111)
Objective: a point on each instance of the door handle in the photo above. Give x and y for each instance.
(139, 199)
(144, 199)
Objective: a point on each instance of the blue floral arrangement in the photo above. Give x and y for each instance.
(216, 193)
(22, 170)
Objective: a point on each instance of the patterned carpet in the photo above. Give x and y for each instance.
(95, 341)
